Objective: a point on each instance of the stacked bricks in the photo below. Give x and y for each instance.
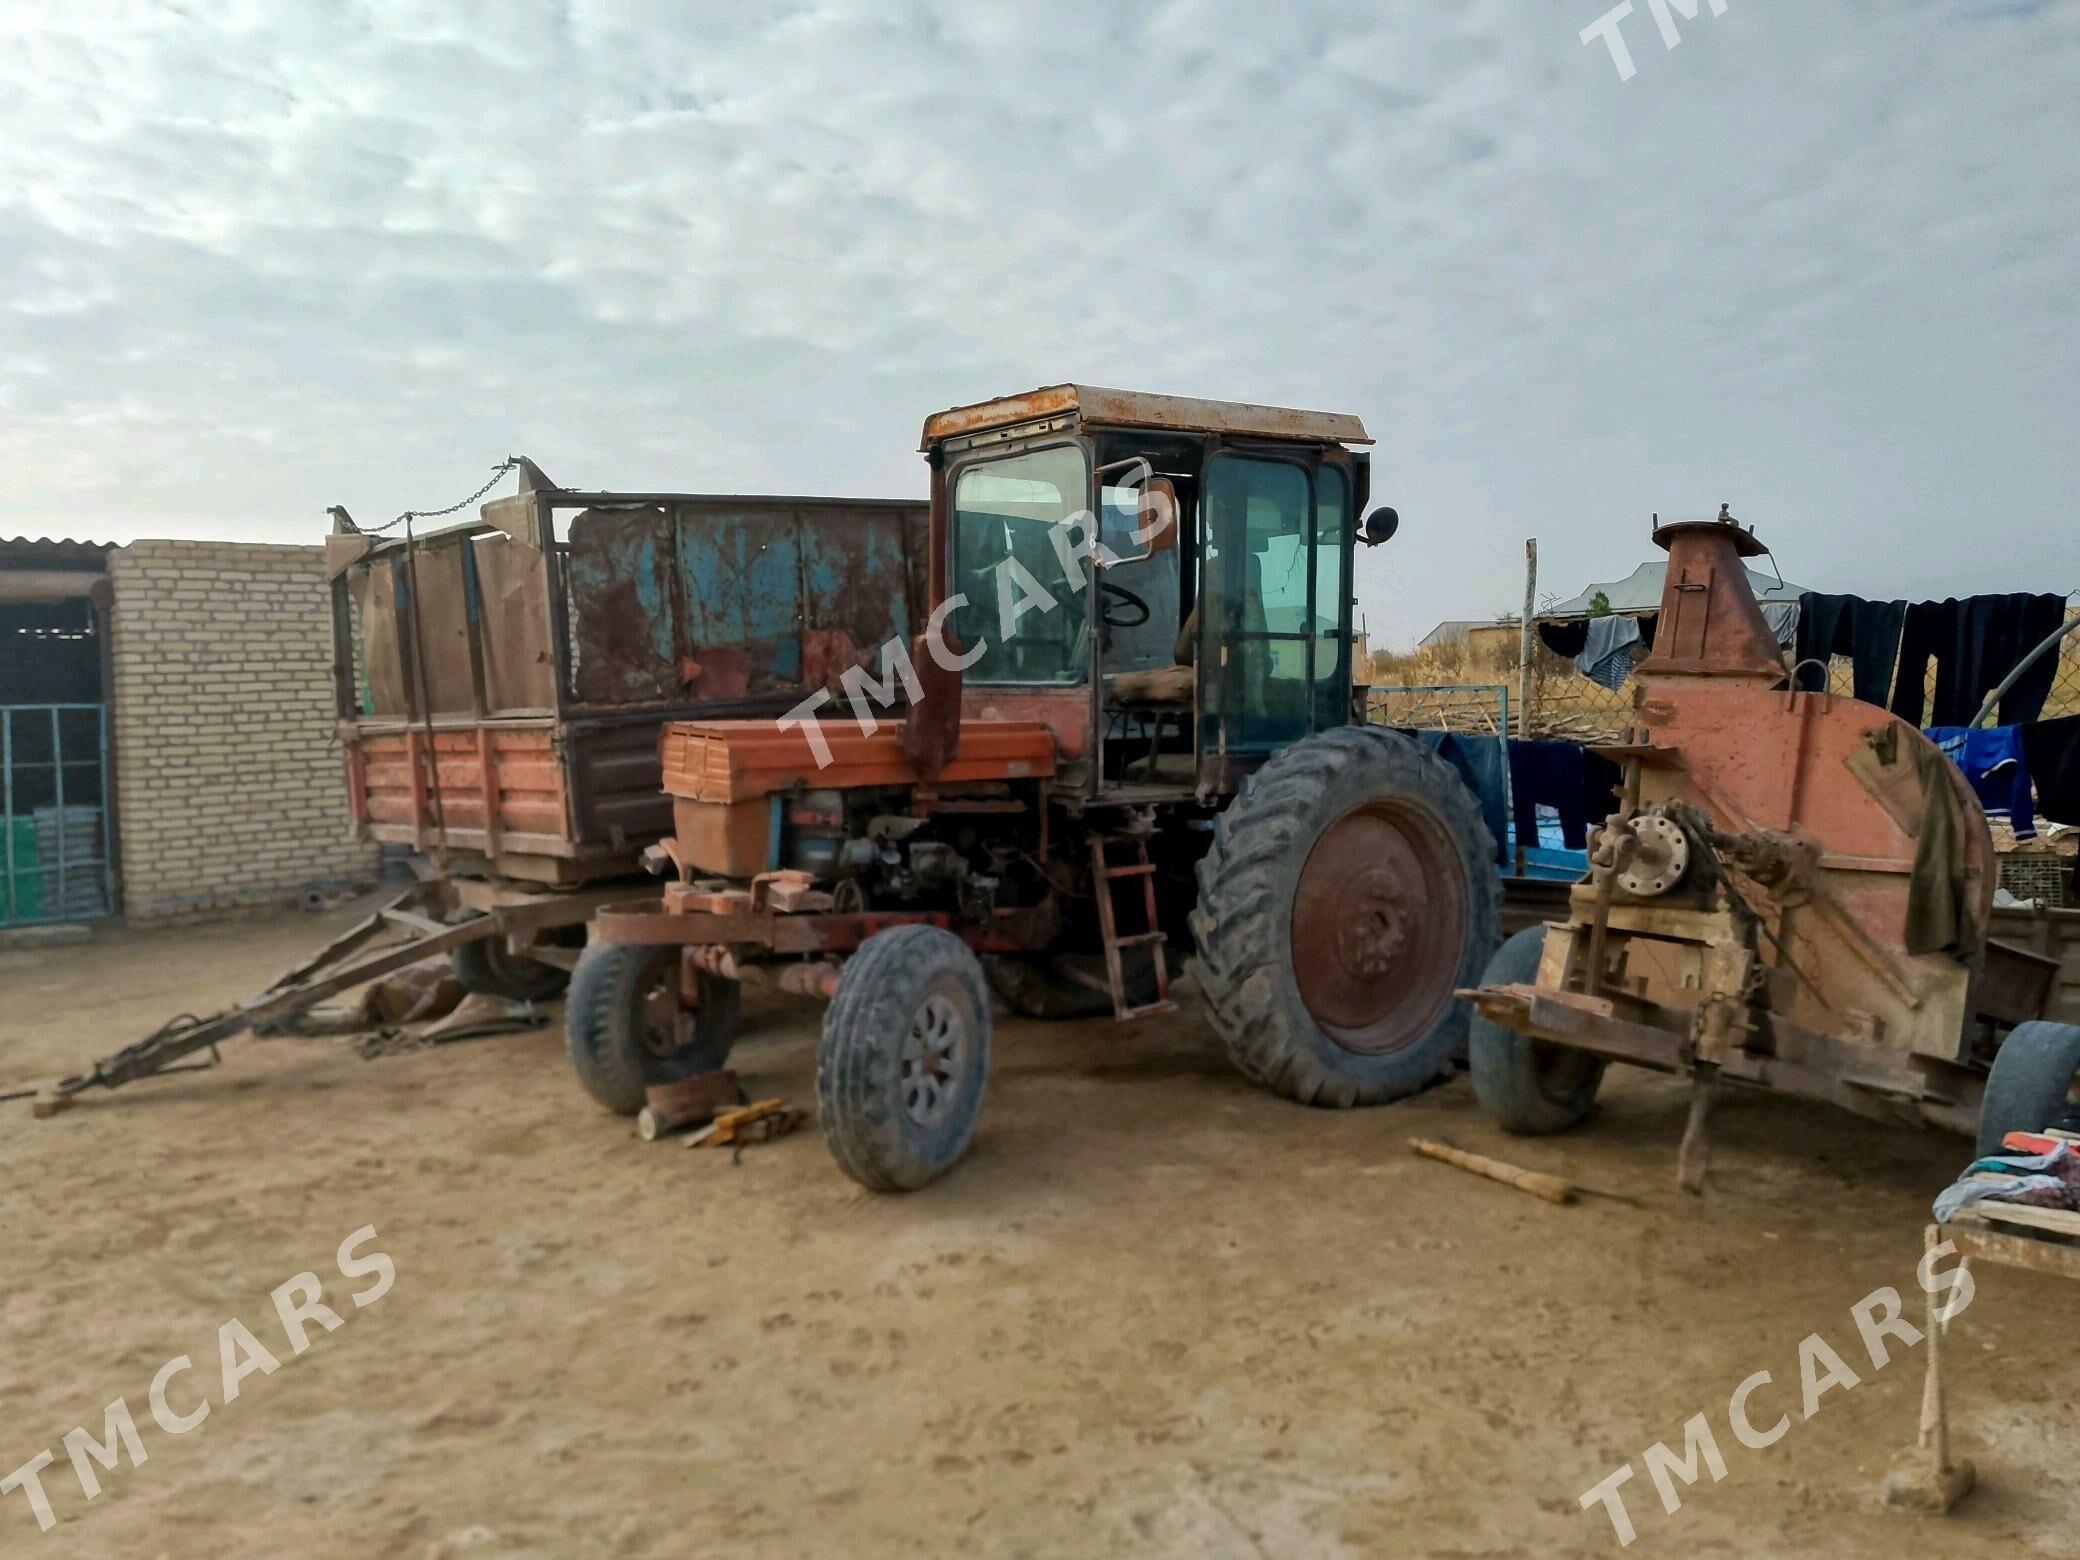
(228, 779)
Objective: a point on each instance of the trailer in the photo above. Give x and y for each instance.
(502, 685)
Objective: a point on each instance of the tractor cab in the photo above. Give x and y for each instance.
(1164, 582)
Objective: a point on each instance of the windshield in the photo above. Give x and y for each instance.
(1012, 532)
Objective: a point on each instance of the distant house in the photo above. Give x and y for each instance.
(1452, 631)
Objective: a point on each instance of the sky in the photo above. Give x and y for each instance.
(1820, 260)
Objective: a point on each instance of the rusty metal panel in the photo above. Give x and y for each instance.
(855, 582)
(1098, 406)
(622, 617)
(740, 578)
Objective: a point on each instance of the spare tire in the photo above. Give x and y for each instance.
(1350, 891)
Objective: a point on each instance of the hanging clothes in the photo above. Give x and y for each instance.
(2051, 749)
(1565, 637)
(1580, 786)
(1927, 635)
(1783, 619)
(1868, 632)
(1483, 764)
(1992, 759)
(1976, 643)
(1612, 646)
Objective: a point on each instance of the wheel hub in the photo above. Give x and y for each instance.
(933, 1060)
(1379, 926)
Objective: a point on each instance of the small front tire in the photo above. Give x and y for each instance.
(488, 968)
(627, 1031)
(904, 1059)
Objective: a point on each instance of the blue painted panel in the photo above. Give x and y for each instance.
(741, 577)
(622, 620)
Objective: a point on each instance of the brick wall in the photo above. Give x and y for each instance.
(228, 782)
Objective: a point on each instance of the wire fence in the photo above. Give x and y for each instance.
(1450, 687)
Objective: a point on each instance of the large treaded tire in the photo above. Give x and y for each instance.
(614, 1048)
(1249, 881)
(487, 968)
(2030, 1087)
(901, 984)
(1528, 1088)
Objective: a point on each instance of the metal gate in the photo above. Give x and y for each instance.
(55, 863)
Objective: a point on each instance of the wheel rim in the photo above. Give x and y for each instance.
(934, 1060)
(1379, 926)
(664, 1023)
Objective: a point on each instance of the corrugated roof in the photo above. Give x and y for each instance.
(44, 552)
(1139, 409)
(1640, 591)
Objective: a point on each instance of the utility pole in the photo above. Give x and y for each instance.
(1524, 638)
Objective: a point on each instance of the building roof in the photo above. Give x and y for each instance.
(1137, 409)
(40, 552)
(1453, 631)
(1640, 591)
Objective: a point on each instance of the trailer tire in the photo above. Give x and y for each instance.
(488, 968)
(2031, 1085)
(1528, 1087)
(1363, 857)
(904, 1059)
(616, 1048)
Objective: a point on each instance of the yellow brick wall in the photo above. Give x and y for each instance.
(228, 783)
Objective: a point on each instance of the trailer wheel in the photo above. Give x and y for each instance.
(1350, 890)
(488, 968)
(623, 1023)
(1528, 1087)
(904, 1059)
(2032, 1084)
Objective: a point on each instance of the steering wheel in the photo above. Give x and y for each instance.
(1133, 603)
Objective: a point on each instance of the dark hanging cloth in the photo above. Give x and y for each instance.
(1928, 635)
(1483, 764)
(1580, 786)
(2052, 750)
(1868, 632)
(1565, 639)
(1975, 643)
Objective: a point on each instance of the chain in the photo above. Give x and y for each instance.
(510, 463)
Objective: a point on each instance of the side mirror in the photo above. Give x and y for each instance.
(1380, 526)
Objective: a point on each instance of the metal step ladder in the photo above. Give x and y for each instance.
(1104, 875)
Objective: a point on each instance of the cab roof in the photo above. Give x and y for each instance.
(1095, 405)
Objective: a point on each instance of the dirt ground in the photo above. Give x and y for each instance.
(1155, 1313)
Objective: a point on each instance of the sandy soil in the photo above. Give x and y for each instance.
(1156, 1313)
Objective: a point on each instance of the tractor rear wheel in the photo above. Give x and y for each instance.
(627, 1028)
(1350, 890)
(2032, 1085)
(1528, 1087)
(904, 1059)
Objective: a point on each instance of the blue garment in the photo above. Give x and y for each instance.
(1612, 646)
(1991, 758)
(1483, 763)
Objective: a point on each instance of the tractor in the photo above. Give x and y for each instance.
(1125, 733)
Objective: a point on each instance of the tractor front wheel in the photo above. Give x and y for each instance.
(1527, 1086)
(2035, 1078)
(904, 1059)
(1350, 890)
(627, 1028)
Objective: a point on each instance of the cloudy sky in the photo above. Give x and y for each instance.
(1820, 259)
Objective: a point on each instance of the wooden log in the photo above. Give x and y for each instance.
(1537, 1183)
